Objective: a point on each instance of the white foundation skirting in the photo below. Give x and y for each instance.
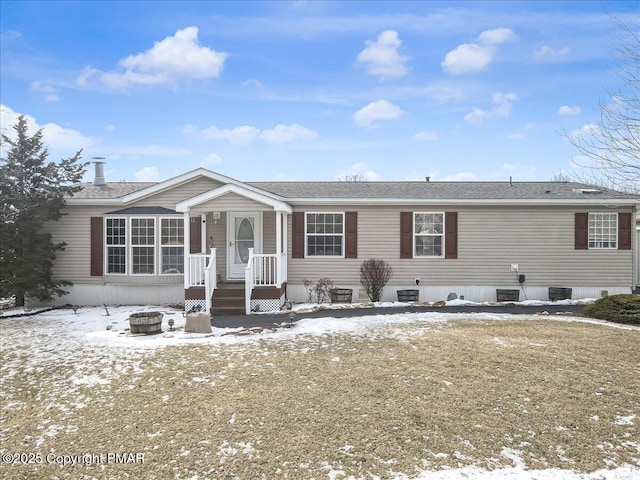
(474, 293)
(120, 295)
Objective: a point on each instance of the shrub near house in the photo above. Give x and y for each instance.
(616, 308)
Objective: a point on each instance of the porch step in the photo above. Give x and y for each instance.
(228, 299)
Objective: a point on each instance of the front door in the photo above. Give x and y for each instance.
(243, 232)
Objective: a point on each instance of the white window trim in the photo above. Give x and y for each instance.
(344, 227)
(125, 246)
(129, 247)
(161, 246)
(414, 234)
(154, 246)
(615, 236)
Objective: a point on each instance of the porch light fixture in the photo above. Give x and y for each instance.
(216, 217)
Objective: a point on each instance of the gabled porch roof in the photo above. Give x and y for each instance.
(191, 203)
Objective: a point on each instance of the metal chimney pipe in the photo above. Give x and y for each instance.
(98, 178)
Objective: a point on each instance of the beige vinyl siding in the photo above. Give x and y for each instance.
(73, 264)
(74, 228)
(217, 235)
(269, 232)
(232, 202)
(177, 194)
(539, 239)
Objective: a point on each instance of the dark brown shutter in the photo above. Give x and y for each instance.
(406, 234)
(297, 229)
(624, 231)
(195, 235)
(582, 231)
(97, 246)
(351, 234)
(451, 235)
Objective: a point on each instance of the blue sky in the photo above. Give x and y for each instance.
(311, 90)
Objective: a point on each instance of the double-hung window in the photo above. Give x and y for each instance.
(116, 240)
(143, 249)
(603, 230)
(428, 234)
(324, 234)
(172, 246)
(144, 245)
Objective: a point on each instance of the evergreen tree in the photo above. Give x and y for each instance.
(33, 192)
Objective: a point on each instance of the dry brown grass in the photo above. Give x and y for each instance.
(413, 398)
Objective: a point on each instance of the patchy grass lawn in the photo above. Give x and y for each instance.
(401, 398)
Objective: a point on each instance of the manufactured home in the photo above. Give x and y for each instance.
(211, 242)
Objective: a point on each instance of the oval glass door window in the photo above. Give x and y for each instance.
(244, 239)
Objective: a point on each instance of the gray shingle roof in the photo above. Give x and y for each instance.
(436, 190)
(111, 189)
(143, 211)
(392, 190)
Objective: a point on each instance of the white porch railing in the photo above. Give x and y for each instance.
(195, 270)
(264, 270)
(201, 272)
(210, 279)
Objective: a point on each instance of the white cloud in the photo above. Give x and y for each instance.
(361, 169)
(565, 110)
(380, 110)
(245, 133)
(588, 129)
(516, 136)
(55, 137)
(10, 35)
(210, 160)
(426, 136)
(147, 174)
(51, 93)
(473, 57)
(177, 57)
(382, 58)
(239, 135)
(547, 51)
(110, 128)
(497, 36)
(502, 107)
(288, 133)
(252, 82)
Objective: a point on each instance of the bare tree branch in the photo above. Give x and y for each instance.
(610, 149)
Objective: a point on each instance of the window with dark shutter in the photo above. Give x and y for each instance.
(97, 246)
(195, 235)
(624, 231)
(451, 235)
(297, 230)
(406, 234)
(581, 231)
(351, 234)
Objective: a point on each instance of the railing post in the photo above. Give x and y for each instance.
(248, 282)
(210, 280)
(187, 271)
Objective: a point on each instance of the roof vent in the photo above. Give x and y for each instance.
(588, 191)
(428, 179)
(98, 178)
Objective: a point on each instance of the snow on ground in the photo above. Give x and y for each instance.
(103, 332)
(60, 329)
